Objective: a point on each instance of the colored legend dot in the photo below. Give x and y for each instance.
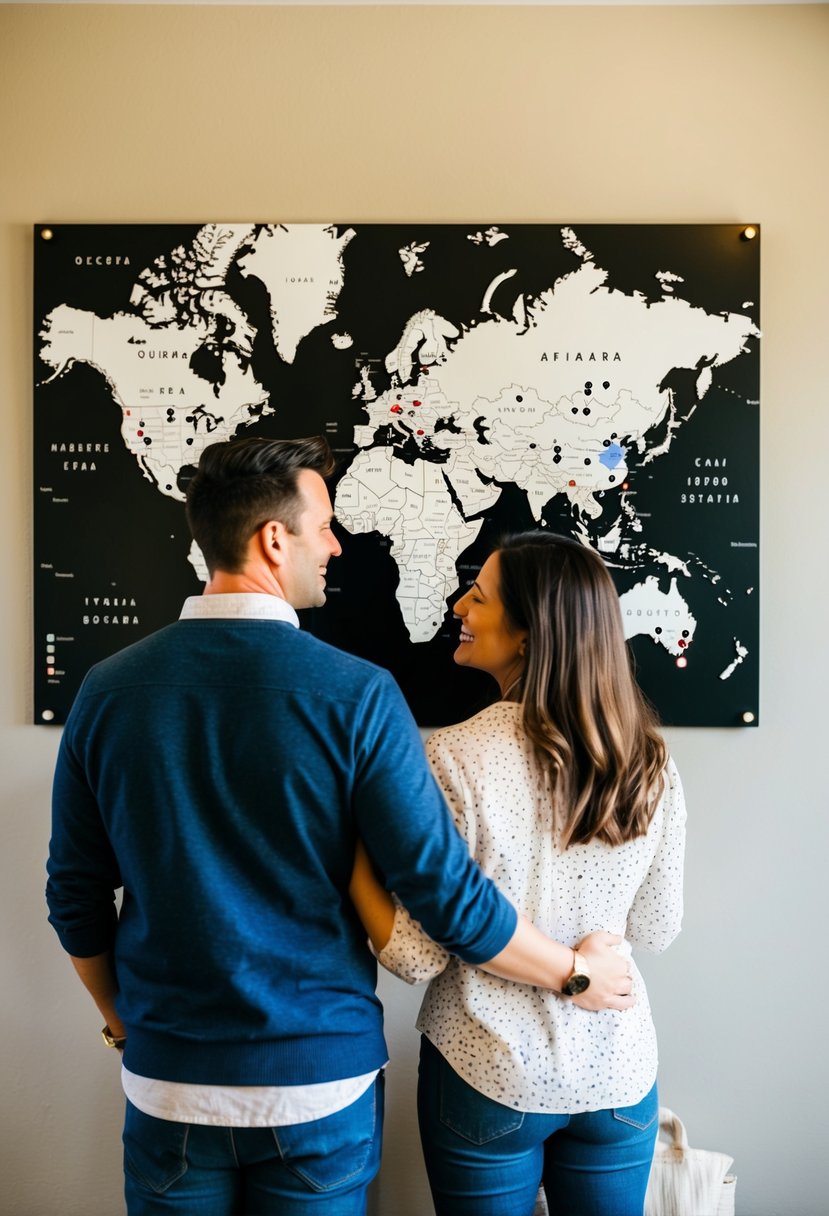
(50, 671)
(625, 485)
(50, 637)
(682, 661)
(571, 483)
(48, 715)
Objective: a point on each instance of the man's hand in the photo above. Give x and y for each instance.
(611, 983)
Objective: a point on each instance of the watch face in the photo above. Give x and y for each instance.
(577, 984)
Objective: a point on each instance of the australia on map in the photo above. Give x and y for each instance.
(601, 381)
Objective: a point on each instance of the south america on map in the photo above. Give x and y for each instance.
(600, 381)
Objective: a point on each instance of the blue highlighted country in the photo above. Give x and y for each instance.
(612, 455)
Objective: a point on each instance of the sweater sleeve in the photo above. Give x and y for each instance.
(402, 817)
(655, 916)
(83, 873)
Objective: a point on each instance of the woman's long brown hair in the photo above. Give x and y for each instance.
(591, 727)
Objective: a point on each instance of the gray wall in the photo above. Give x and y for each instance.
(593, 114)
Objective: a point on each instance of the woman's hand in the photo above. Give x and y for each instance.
(611, 980)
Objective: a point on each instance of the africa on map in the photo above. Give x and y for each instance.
(601, 381)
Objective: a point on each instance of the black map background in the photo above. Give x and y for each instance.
(120, 536)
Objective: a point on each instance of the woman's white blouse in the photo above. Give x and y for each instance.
(520, 1045)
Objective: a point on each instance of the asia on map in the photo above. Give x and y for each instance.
(600, 381)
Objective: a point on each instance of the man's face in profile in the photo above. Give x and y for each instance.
(309, 550)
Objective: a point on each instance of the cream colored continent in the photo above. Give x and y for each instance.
(588, 365)
(301, 266)
(411, 505)
(163, 403)
(664, 616)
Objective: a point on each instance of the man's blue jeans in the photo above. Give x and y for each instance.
(485, 1159)
(323, 1167)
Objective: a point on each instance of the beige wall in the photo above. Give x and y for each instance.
(602, 114)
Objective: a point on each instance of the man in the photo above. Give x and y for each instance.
(221, 771)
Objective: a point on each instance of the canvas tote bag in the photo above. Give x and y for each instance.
(687, 1181)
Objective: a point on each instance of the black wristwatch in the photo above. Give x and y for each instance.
(579, 979)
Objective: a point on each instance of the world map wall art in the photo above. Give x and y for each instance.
(600, 381)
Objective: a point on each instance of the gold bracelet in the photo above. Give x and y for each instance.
(112, 1040)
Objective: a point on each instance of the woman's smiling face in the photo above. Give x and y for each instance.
(487, 642)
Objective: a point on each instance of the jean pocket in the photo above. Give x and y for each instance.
(470, 1114)
(154, 1149)
(334, 1151)
(642, 1114)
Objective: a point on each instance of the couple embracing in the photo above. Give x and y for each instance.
(264, 803)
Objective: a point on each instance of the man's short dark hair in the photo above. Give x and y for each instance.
(241, 484)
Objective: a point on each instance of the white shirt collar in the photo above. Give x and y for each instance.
(239, 605)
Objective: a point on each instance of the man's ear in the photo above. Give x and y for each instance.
(269, 542)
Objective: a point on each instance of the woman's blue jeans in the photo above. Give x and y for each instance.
(485, 1159)
(323, 1167)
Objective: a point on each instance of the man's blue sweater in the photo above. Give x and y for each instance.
(220, 771)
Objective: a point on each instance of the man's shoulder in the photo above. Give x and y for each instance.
(129, 658)
(262, 651)
(330, 664)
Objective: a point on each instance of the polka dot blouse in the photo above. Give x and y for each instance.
(520, 1045)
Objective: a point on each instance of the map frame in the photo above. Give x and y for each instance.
(112, 557)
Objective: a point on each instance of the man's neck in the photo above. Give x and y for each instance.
(248, 582)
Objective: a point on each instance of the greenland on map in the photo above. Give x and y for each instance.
(601, 381)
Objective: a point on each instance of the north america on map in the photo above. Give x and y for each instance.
(599, 381)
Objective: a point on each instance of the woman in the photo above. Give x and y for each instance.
(566, 795)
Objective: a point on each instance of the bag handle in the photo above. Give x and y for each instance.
(675, 1128)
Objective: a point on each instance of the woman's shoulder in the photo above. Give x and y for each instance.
(672, 792)
(499, 721)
